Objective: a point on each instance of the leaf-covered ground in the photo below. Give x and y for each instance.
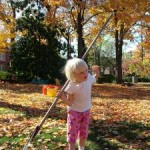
(120, 118)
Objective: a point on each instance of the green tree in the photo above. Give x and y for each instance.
(36, 52)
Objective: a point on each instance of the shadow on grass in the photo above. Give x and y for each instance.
(120, 92)
(57, 112)
(120, 135)
(22, 88)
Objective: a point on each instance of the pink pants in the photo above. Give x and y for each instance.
(77, 125)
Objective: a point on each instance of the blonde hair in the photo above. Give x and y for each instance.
(72, 66)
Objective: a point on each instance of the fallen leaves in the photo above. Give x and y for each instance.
(114, 109)
(114, 91)
(121, 110)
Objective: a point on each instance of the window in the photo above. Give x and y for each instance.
(2, 56)
(1, 67)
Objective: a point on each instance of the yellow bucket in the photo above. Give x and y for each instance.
(52, 91)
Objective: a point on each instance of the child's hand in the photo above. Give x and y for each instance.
(66, 98)
(62, 95)
(95, 69)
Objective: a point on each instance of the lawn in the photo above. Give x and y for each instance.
(120, 118)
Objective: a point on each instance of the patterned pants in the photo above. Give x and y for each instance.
(77, 125)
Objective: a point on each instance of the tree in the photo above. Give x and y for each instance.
(7, 24)
(145, 37)
(74, 14)
(104, 54)
(92, 14)
(135, 65)
(36, 52)
(126, 15)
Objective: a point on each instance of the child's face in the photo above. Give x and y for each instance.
(81, 75)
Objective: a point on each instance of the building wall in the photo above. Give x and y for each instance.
(4, 61)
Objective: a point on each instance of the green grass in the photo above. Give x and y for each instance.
(10, 111)
(47, 136)
(51, 138)
(12, 142)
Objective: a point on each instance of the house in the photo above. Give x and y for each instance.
(109, 70)
(4, 60)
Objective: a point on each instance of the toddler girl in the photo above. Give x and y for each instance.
(77, 96)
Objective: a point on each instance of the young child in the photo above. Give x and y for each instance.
(78, 100)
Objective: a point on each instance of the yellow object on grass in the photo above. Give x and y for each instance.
(51, 91)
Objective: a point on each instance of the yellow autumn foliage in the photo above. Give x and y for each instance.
(128, 13)
(7, 24)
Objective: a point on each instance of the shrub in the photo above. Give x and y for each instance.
(127, 79)
(137, 78)
(106, 78)
(3, 74)
(144, 79)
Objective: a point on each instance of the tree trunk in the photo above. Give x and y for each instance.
(68, 46)
(119, 62)
(81, 44)
(14, 16)
(13, 30)
(118, 44)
